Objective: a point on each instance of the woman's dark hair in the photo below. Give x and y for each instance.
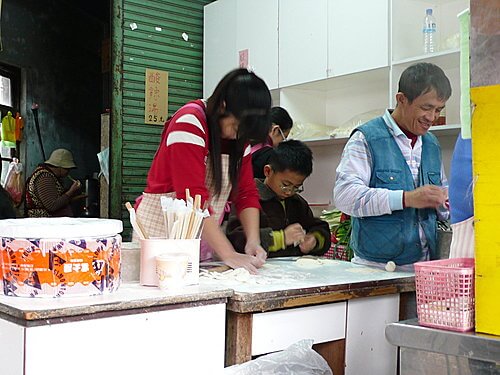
(292, 155)
(281, 117)
(245, 96)
(418, 79)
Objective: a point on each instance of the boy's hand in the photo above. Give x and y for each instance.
(294, 234)
(308, 244)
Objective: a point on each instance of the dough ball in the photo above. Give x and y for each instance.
(390, 266)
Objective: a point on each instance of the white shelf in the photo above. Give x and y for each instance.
(451, 129)
(434, 3)
(325, 141)
(342, 82)
(439, 58)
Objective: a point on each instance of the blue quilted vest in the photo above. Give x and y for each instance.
(396, 236)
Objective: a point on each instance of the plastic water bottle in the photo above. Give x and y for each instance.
(429, 32)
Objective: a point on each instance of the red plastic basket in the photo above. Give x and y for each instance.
(337, 251)
(445, 293)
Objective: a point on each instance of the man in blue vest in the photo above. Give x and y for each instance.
(391, 178)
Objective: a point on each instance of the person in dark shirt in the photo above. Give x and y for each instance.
(46, 195)
(7, 210)
(288, 226)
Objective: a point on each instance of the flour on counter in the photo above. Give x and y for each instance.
(239, 275)
(365, 270)
(268, 274)
(312, 262)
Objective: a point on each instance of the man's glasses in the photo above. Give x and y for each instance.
(291, 189)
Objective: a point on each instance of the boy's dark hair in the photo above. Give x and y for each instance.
(292, 155)
(418, 79)
(280, 117)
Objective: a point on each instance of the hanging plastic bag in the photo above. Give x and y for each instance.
(14, 182)
(9, 130)
(19, 127)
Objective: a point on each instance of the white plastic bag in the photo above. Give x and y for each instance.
(14, 183)
(297, 359)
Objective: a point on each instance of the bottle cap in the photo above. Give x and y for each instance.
(428, 12)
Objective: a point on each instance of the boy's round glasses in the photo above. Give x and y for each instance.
(289, 189)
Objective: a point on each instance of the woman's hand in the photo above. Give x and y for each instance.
(256, 250)
(249, 262)
(225, 251)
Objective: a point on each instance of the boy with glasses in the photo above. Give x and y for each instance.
(287, 224)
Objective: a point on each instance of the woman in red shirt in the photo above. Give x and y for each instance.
(205, 147)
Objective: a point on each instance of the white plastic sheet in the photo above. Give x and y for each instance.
(297, 359)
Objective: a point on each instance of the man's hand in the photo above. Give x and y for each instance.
(427, 196)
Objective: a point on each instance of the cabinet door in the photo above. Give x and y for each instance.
(179, 341)
(257, 35)
(302, 41)
(367, 350)
(11, 348)
(219, 45)
(358, 35)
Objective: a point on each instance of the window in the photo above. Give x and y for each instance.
(10, 89)
(5, 91)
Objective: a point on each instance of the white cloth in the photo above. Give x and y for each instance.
(462, 240)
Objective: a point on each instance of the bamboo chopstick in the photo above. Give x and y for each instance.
(133, 218)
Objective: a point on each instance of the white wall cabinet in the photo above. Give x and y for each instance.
(358, 36)
(302, 41)
(257, 32)
(219, 43)
(291, 42)
(236, 27)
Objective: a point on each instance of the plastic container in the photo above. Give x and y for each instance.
(171, 270)
(56, 257)
(429, 32)
(445, 293)
(153, 247)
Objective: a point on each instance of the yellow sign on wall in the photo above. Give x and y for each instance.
(156, 97)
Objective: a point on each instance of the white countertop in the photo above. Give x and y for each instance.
(279, 274)
(128, 296)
